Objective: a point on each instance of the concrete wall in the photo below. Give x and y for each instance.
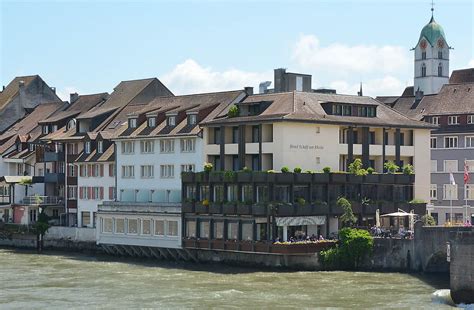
(462, 267)
(71, 233)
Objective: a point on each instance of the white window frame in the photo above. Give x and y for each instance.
(434, 120)
(446, 192)
(72, 192)
(433, 191)
(147, 146)
(434, 165)
(192, 120)
(128, 172)
(133, 123)
(147, 171)
(128, 147)
(470, 119)
(185, 167)
(450, 144)
(167, 146)
(469, 191)
(87, 147)
(471, 142)
(167, 171)
(433, 142)
(100, 147)
(188, 145)
(449, 162)
(152, 121)
(171, 120)
(453, 120)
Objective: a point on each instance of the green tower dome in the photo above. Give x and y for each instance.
(432, 32)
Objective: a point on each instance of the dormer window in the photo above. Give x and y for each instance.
(100, 147)
(55, 127)
(87, 147)
(152, 122)
(45, 129)
(132, 123)
(192, 119)
(71, 124)
(171, 120)
(32, 147)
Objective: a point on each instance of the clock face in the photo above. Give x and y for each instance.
(423, 44)
(440, 43)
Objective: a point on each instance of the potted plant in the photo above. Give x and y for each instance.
(408, 175)
(302, 177)
(202, 206)
(245, 175)
(187, 176)
(389, 177)
(356, 172)
(285, 176)
(230, 176)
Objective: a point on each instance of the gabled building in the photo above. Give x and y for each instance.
(21, 96)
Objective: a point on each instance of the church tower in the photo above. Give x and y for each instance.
(431, 59)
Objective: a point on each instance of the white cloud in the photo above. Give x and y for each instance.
(341, 60)
(66, 91)
(471, 63)
(190, 77)
(385, 86)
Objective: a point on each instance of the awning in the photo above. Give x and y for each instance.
(14, 179)
(300, 220)
(398, 214)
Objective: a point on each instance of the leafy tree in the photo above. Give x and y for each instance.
(41, 227)
(233, 111)
(428, 220)
(356, 167)
(348, 218)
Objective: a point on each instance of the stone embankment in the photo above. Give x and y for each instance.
(462, 267)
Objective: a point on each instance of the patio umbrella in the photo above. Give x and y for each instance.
(377, 218)
(398, 214)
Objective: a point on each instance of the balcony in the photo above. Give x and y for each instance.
(54, 178)
(53, 156)
(42, 200)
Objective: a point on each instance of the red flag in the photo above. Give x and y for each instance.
(466, 173)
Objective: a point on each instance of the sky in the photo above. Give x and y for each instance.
(201, 46)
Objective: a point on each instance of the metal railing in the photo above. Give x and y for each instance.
(42, 200)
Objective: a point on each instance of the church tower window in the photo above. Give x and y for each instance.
(423, 70)
(423, 55)
(440, 54)
(440, 69)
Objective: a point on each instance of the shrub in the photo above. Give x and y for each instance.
(301, 201)
(416, 200)
(408, 169)
(391, 167)
(208, 167)
(327, 169)
(428, 220)
(297, 170)
(348, 218)
(229, 175)
(370, 170)
(285, 169)
(361, 172)
(246, 169)
(308, 171)
(355, 166)
(272, 171)
(233, 111)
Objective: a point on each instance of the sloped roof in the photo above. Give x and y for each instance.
(125, 91)
(12, 89)
(432, 32)
(462, 76)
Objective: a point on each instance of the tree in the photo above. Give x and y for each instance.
(391, 167)
(348, 218)
(428, 220)
(41, 227)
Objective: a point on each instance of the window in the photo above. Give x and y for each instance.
(318, 160)
(232, 230)
(217, 135)
(132, 123)
(107, 225)
(337, 109)
(171, 120)
(371, 111)
(440, 55)
(433, 142)
(423, 70)
(423, 55)
(218, 230)
(450, 142)
(470, 119)
(132, 226)
(45, 129)
(86, 218)
(72, 192)
(172, 228)
(219, 193)
(167, 146)
(191, 229)
(72, 148)
(188, 168)
(167, 171)
(119, 226)
(71, 124)
(87, 147)
(146, 227)
(235, 134)
(188, 145)
(152, 122)
(111, 170)
(247, 231)
(191, 192)
(434, 120)
(128, 171)
(255, 134)
(100, 147)
(347, 110)
(204, 229)
(450, 192)
(299, 83)
(318, 129)
(282, 193)
(247, 193)
(469, 191)
(453, 120)
(469, 141)
(192, 119)
(72, 170)
(147, 147)
(128, 147)
(450, 166)
(111, 193)
(146, 171)
(232, 193)
(160, 227)
(262, 193)
(470, 165)
(440, 69)
(204, 191)
(433, 192)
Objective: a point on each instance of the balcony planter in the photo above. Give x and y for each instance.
(187, 177)
(216, 176)
(215, 208)
(260, 177)
(259, 209)
(243, 209)
(320, 208)
(387, 178)
(303, 177)
(271, 177)
(200, 208)
(231, 245)
(357, 179)
(320, 177)
(338, 177)
(189, 243)
(246, 246)
(187, 207)
(202, 177)
(303, 209)
(372, 178)
(402, 179)
(217, 244)
(230, 176)
(244, 177)
(203, 243)
(285, 177)
(261, 247)
(228, 208)
(285, 210)
(336, 210)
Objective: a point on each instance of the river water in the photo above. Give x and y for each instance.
(59, 281)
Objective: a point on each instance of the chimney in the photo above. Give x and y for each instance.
(73, 97)
(3, 87)
(53, 89)
(21, 84)
(279, 80)
(248, 90)
(418, 95)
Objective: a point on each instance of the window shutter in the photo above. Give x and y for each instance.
(89, 170)
(101, 170)
(101, 192)
(111, 193)
(81, 192)
(90, 191)
(81, 170)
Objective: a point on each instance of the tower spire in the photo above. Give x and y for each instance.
(432, 9)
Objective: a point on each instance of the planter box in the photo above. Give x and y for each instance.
(260, 177)
(246, 246)
(303, 210)
(271, 177)
(387, 178)
(320, 209)
(262, 247)
(355, 178)
(187, 177)
(335, 209)
(372, 178)
(320, 177)
(202, 177)
(243, 209)
(189, 243)
(244, 177)
(303, 177)
(402, 179)
(228, 208)
(201, 209)
(203, 244)
(338, 178)
(217, 244)
(259, 210)
(187, 207)
(215, 208)
(216, 176)
(285, 177)
(286, 210)
(231, 245)
(230, 178)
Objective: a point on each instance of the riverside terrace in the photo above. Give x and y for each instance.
(248, 211)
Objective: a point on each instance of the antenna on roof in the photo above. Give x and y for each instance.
(359, 93)
(432, 8)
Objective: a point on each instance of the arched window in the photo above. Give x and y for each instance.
(440, 54)
(423, 70)
(440, 69)
(423, 55)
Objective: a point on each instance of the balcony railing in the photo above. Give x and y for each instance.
(42, 200)
(54, 178)
(53, 156)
